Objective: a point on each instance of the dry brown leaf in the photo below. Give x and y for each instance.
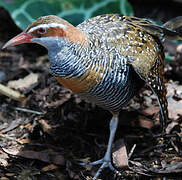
(150, 111)
(28, 126)
(45, 126)
(25, 83)
(174, 106)
(145, 122)
(49, 167)
(179, 48)
(24, 141)
(10, 174)
(3, 162)
(170, 127)
(60, 101)
(4, 178)
(14, 124)
(50, 157)
(175, 109)
(3, 159)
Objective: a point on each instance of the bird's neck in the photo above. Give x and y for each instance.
(75, 35)
(64, 59)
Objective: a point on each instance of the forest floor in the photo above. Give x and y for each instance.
(51, 131)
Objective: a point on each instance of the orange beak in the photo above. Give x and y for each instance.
(19, 39)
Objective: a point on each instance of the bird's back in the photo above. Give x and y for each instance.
(115, 33)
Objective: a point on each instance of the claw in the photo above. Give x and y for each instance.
(104, 165)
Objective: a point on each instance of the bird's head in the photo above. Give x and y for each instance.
(48, 31)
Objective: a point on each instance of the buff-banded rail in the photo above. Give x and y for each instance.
(106, 60)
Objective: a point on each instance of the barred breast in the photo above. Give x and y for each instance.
(114, 90)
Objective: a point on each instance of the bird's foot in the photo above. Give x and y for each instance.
(106, 161)
(104, 164)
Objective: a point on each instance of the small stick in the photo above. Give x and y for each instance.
(11, 93)
(131, 152)
(27, 110)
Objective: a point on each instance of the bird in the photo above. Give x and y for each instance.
(106, 60)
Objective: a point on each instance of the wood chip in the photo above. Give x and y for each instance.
(11, 93)
(120, 157)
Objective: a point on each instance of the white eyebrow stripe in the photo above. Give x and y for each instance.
(47, 26)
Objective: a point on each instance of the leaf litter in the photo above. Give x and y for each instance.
(48, 134)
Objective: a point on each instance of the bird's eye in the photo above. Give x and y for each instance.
(41, 30)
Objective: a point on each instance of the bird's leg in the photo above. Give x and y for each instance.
(106, 161)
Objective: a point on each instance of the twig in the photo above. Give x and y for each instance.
(11, 93)
(27, 110)
(5, 136)
(131, 152)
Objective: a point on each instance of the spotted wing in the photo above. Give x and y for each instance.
(147, 58)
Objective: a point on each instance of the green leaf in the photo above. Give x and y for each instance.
(126, 8)
(25, 12)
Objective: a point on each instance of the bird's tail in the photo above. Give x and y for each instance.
(169, 30)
